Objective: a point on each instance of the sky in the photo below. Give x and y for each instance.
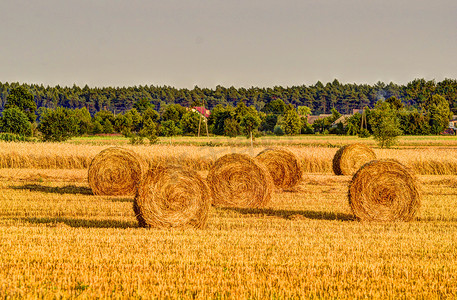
(264, 43)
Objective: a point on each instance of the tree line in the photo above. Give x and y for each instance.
(420, 107)
(319, 98)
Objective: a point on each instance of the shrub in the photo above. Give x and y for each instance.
(11, 137)
(278, 130)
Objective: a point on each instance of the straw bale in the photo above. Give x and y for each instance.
(116, 171)
(283, 165)
(172, 196)
(384, 190)
(348, 159)
(237, 180)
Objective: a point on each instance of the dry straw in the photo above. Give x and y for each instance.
(115, 172)
(384, 190)
(237, 180)
(171, 196)
(283, 165)
(348, 159)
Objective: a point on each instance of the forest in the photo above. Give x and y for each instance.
(56, 113)
(319, 98)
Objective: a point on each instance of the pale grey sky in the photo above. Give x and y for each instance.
(247, 43)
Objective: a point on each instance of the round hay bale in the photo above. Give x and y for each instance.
(283, 165)
(384, 190)
(348, 159)
(170, 196)
(115, 172)
(237, 180)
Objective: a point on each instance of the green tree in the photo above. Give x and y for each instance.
(278, 130)
(149, 130)
(21, 98)
(58, 124)
(306, 128)
(304, 110)
(97, 127)
(414, 122)
(394, 103)
(84, 120)
(219, 114)
(189, 123)
(292, 122)
(105, 115)
(169, 128)
(142, 105)
(439, 113)
(269, 122)
(354, 124)
(14, 120)
(108, 126)
(123, 124)
(385, 124)
(231, 127)
(276, 107)
(335, 115)
(173, 112)
(151, 114)
(241, 110)
(133, 118)
(250, 122)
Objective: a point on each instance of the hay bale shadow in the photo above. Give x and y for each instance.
(68, 189)
(77, 223)
(293, 214)
(117, 199)
(436, 219)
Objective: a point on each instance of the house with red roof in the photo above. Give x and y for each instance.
(201, 110)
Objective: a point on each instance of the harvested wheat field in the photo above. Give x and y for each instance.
(318, 158)
(58, 240)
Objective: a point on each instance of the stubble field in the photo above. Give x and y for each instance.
(59, 240)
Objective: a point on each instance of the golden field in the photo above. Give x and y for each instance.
(57, 240)
(424, 159)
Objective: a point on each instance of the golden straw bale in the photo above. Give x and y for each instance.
(283, 165)
(348, 159)
(171, 196)
(116, 171)
(384, 190)
(237, 180)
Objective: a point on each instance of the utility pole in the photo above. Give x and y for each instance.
(364, 120)
(199, 125)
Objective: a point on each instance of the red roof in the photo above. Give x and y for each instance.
(205, 112)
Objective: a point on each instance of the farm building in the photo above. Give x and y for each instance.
(453, 122)
(312, 119)
(201, 110)
(342, 119)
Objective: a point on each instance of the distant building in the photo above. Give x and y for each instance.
(201, 110)
(343, 119)
(453, 122)
(312, 119)
(452, 128)
(448, 131)
(357, 111)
